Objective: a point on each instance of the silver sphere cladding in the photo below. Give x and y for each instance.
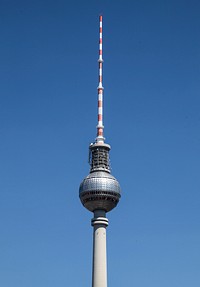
(99, 190)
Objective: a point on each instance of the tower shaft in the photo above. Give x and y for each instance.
(99, 270)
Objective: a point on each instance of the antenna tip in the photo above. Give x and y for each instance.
(100, 17)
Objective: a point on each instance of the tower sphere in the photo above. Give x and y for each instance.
(99, 190)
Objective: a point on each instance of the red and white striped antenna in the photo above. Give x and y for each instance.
(100, 138)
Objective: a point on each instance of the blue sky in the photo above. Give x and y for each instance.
(48, 117)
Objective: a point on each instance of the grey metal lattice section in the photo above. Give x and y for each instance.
(99, 157)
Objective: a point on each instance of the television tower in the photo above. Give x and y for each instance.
(99, 192)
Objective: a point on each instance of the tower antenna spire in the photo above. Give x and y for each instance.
(100, 138)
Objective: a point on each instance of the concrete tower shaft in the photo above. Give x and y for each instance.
(99, 266)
